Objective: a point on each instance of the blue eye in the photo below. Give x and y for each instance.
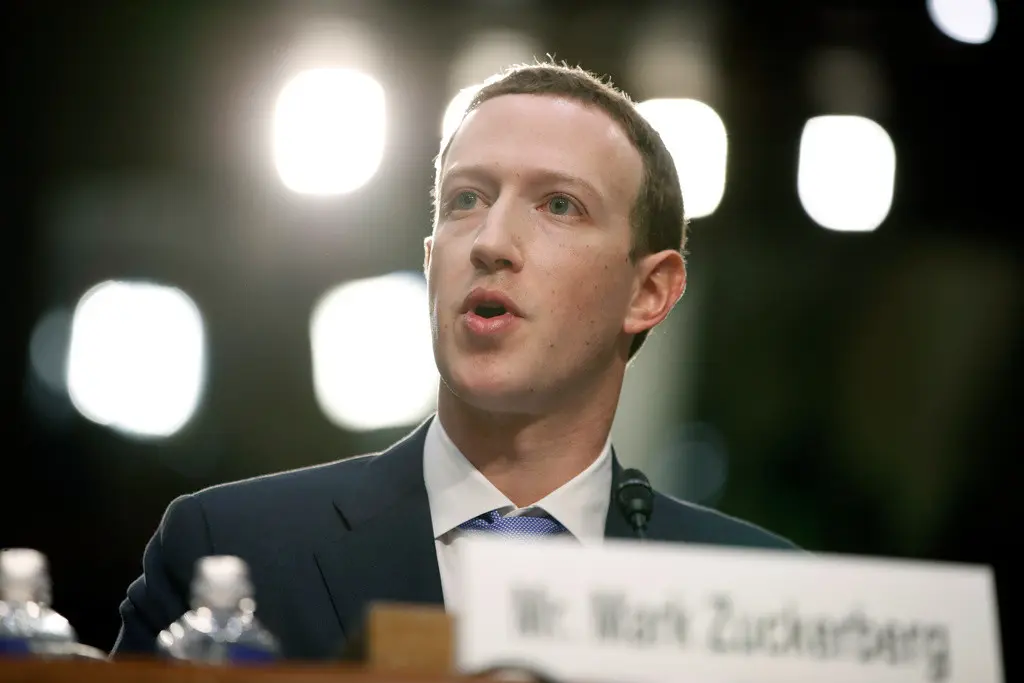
(560, 206)
(464, 201)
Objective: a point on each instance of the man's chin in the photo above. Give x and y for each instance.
(496, 391)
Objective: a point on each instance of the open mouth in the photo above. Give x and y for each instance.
(489, 310)
(490, 314)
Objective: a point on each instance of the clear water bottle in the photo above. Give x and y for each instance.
(28, 626)
(222, 627)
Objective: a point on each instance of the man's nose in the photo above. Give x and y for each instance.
(498, 242)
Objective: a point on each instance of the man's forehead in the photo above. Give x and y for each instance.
(554, 134)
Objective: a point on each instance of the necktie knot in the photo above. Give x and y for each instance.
(521, 526)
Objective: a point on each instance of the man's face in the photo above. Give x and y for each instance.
(534, 218)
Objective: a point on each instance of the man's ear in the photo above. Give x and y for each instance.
(428, 246)
(660, 282)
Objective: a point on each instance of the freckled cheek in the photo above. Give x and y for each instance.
(585, 301)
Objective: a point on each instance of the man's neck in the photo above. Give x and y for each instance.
(527, 456)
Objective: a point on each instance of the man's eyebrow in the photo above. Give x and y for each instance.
(480, 173)
(560, 178)
(533, 176)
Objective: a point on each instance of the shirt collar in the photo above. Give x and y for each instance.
(458, 492)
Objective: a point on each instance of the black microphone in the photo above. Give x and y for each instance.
(636, 500)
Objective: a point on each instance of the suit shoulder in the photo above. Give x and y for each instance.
(705, 525)
(303, 481)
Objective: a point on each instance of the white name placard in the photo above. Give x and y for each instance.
(626, 612)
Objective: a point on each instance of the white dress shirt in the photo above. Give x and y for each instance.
(458, 492)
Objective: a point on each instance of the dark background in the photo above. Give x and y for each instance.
(864, 385)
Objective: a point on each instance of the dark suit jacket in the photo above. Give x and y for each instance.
(323, 542)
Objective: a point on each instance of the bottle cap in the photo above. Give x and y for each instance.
(221, 582)
(24, 576)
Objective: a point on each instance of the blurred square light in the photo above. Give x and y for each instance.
(136, 358)
(696, 138)
(966, 21)
(847, 172)
(373, 362)
(329, 130)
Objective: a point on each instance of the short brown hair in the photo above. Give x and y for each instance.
(657, 217)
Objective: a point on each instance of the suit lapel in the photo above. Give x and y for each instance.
(383, 546)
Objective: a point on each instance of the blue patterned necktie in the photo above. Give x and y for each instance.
(519, 527)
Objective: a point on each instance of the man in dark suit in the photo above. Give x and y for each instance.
(558, 244)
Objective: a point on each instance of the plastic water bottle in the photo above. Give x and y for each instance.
(222, 627)
(28, 626)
